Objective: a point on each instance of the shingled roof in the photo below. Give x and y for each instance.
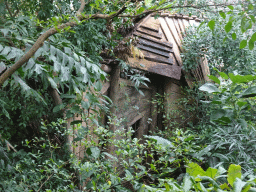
(160, 41)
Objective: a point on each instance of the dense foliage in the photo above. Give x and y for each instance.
(49, 87)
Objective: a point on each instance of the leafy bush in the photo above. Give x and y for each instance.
(230, 130)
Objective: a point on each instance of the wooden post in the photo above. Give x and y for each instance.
(113, 95)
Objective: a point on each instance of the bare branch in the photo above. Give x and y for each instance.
(8, 9)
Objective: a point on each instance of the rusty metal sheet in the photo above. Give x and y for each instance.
(152, 50)
(155, 45)
(167, 44)
(151, 33)
(171, 71)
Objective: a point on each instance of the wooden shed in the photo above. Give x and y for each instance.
(160, 42)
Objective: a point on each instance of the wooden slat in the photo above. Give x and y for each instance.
(186, 23)
(153, 50)
(155, 45)
(150, 28)
(158, 68)
(177, 27)
(182, 27)
(148, 32)
(170, 38)
(167, 44)
(157, 58)
(173, 30)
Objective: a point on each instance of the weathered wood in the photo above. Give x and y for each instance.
(153, 112)
(151, 33)
(158, 68)
(170, 38)
(113, 95)
(182, 27)
(177, 27)
(173, 30)
(106, 68)
(205, 68)
(156, 58)
(152, 50)
(167, 44)
(155, 45)
(149, 27)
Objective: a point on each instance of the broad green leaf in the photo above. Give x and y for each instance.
(221, 115)
(228, 26)
(250, 6)
(85, 104)
(234, 172)
(250, 92)
(222, 14)
(215, 79)
(251, 44)
(241, 103)
(225, 186)
(209, 87)
(241, 78)
(187, 183)
(140, 10)
(194, 170)
(160, 140)
(243, 44)
(211, 24)
(211, 172)
(238, 185)
(234, 36)
(253, 37)
(58, 108)
(223, 75)
(231, 7)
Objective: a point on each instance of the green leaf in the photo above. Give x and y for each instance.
(211, 172)
(243, 44)
(241, 78)
(215, 79)
(250, 92)
(58, 108)
(253, 37)
(225, 186)
(160, 140)
(228, 26)
(234, 172)
(234, 36)
(211, 24)
(194, 170)
(251, 44)
(222, 14)
(250, 7)
(223, 75)
(187, 183)
(241, 103)
(76, 122)
(85, 105)
(238, 185)
(231, 7)
(209, 87)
